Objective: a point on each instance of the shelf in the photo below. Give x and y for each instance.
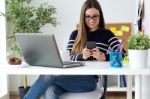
(113, 84)
(116, 88)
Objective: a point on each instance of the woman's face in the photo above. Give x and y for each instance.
(92, 18)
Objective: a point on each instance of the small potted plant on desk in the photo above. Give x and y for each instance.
(24, 18)
(138, 45)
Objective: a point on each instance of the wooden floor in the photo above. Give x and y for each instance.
(117, 95)
(109, 96)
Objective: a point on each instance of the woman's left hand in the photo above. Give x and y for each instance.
(100, 56)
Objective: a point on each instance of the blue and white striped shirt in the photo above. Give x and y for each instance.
(105, 40)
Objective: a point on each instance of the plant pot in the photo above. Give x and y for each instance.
(138, 58)
(23, 91)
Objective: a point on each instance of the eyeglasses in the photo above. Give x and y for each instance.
(94, 17)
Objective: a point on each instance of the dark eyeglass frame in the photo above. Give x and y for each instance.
(94, 17)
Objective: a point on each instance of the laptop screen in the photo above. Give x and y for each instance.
(39, 49)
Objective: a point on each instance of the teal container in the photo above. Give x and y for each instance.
(115, 59)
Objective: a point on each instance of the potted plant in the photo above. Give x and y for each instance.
(138, 45)
(25, 18)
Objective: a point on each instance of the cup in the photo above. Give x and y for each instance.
(115, 59)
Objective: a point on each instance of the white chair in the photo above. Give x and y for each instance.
(98, 93)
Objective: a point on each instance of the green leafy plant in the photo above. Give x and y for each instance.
(25, 18)
(139, 41)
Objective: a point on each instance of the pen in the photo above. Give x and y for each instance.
(119, 46)
(109, 50)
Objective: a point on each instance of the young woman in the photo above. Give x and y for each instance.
(91, 28)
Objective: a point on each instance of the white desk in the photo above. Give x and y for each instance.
(90, 68)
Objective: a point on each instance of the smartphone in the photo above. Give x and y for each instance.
(90, 45)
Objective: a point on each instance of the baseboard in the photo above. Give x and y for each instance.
(14, 93)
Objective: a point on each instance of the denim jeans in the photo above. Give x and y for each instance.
(60, 84)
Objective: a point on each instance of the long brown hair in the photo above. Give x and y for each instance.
(83, 29)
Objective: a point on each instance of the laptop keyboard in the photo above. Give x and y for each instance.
(73, 64)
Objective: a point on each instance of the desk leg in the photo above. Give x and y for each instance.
(146, 87)
(129, 87)
(138, 88)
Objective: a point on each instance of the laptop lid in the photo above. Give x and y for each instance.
(39, 49)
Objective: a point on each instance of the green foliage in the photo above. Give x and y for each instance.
(26, 18)
(14, 49)
(139, 41)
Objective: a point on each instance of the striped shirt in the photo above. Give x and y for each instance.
(105, 41)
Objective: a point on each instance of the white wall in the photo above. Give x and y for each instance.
(16, 81)
(147, 17)
(2, 33)
(147, 22)
(4, 93)
(118, 10)
(68, 12)
(3, 77)
(146, 79)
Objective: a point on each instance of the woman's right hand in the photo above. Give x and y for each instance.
(86, 53)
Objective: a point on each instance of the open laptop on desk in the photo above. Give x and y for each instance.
(41, 50)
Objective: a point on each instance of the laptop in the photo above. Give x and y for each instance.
(41, 50)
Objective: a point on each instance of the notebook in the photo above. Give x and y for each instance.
(41, 50)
